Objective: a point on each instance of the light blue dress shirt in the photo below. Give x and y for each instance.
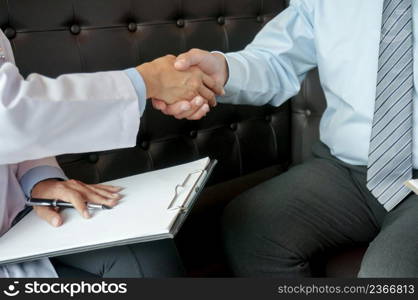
(140, 88)
(38, 174)
(339, 37)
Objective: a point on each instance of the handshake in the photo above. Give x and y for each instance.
(185, 86)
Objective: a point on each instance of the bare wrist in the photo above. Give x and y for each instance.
(147, 72)
(224, 67)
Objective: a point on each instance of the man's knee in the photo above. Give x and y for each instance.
(248, 217)
(265, 214)
(252, 235)
(239, 225)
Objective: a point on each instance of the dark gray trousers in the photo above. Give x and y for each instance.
(155, 259)
(276, 228)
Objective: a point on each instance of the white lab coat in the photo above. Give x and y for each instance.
(42, 117)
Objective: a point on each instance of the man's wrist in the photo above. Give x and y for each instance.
(224, 66)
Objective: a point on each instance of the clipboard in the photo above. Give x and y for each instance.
(188, 205)
(32, 238)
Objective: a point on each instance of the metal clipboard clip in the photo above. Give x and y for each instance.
(179, 190)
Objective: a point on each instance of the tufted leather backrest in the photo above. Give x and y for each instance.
(307, 109)
(53, 37)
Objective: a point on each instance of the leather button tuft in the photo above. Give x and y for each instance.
(221, 20)
(144, 145)
(193, 134)
(308, 113)
(233, 126)
(93, 158)
(180, 23)
(132, 27)
(75, 29)
(260, 19)
(10, 33)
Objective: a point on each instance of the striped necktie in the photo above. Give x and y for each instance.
(390, 152)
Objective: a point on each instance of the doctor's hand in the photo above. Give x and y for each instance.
(164, 82)
(75, 192)
(193, 110)
(212, 64)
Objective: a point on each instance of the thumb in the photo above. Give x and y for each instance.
(192, 58)
(49, 214)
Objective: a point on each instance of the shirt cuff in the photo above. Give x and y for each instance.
(38, 174)
(233, 84)
(140, 88)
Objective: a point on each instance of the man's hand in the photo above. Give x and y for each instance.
(164, 82)
(213, 65)
(75, 192)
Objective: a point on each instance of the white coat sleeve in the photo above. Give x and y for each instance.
(42, 117)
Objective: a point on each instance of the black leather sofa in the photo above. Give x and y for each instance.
(252, 144)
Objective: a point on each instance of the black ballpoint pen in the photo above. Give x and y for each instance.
(60, 203)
